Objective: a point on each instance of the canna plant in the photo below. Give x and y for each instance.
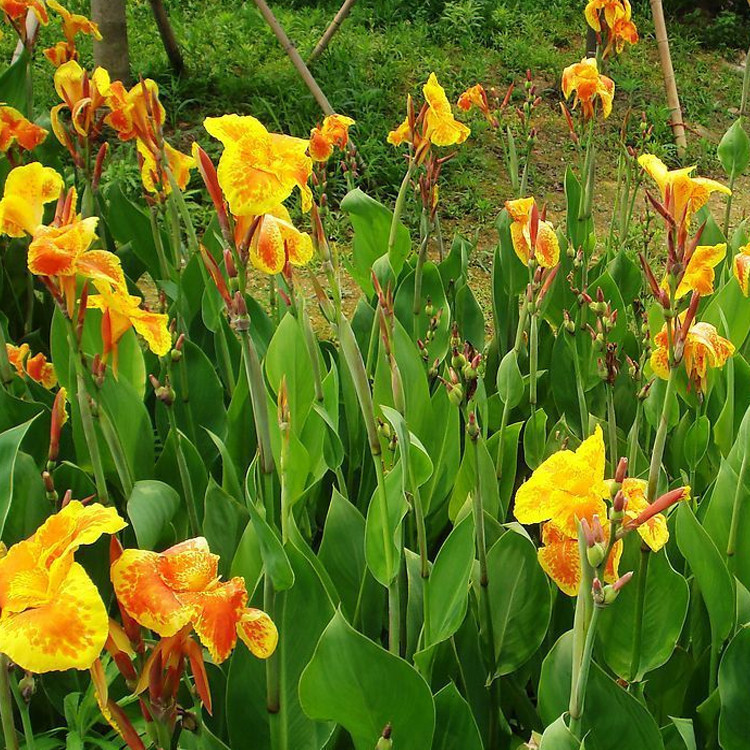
(433, 523)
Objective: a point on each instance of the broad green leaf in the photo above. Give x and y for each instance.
(224, 521)
(710, 571)
(13, 82)
(151, 507)
(363, 687)
(455, 725)
(448, 583)
(469, 317)
(734, 719)
(730, 301)
(510, 386)
(229, 480)
(734, 149)
(10, 442)
(466, 481)
(519, 601)
(557, 736)
(535, 438)
(696, 440)
(412, 451)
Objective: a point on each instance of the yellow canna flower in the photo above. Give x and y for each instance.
(278, 242)
(259, 170)
(122, 311)
(587, 83)
(560, 559)
(26, 190)
(73, 23)
(60, 53)
(704, 348)
(741, 267)
(137, 113)
(333, 132)
(402, 134)
(654, 531)
(17, 357)
(51, 614)
(82, 96)
(699, 273)
(441, 128)
(15, 129)
(179, 165)
(167, 591)
(686, 194)
(476, 96)
(617, 16)
(547, 249)
(567, 486)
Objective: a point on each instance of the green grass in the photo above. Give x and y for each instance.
(386, 49)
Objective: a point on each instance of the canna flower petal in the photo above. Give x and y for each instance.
(188, 566)
(54, 251)
(547, 250)
(402, 134)
(584, 80)
(741, 268)
(475, 96)
(17, 10)
(102, 266)
(654, 531)
(60, 53)
(17, 356)
(135, 113)
(179, 165)
(660, 362)
(705, 348)
(565, 487)
(67, 632)
(41, 371)
(73, 23)
(258, 632)
(16, 129)
(441, 128)
(333, 132)
(27, 189)
(699, 274)
(278, 242)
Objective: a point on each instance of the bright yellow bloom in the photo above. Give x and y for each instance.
(51, 614)
(277, 241)
(547, 249)
(179, 165)
(699, 273)
(60, 53)
(741, 267)
(82, 96)
(476, 96)
(704, 348)
(137, 113)
(259, 170)
(560, 559)
(16, 10)
(587, 83)
(402, 134)
(686, 194)
(441, 128)
(333, 132)
(567, 486)
(27, 189)
(17, 357)
(73, 23)
(123, 311)
(654, 531)
(16, 129)
(617, 19)
(167, 591)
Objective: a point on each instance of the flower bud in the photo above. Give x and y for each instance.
(622, 470)
(455, 394)
(472, 428)
(385, 742)
(27, 686)
(595, 554)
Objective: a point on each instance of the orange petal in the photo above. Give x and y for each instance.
(41, 371)
(267, 248)
(101, 265)
(561, 562)
(188, 566)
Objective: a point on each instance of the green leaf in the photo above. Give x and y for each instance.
(520, 601)
(411, 450)
(710, 571)
(13, 82)
(469, 317)
(372, 225)
(151, 507)
(10, 442)
(363, 687)
(448, 583)
(696, 440)
(455, 726)
(466, 481)
(274, 556)
(734, 149)
(729, 301)
(224, 521)
(510, 386)
(613, 719)
(734, 719)
(557, 736)
(535, 438)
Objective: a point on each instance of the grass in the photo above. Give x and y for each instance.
(386, 49)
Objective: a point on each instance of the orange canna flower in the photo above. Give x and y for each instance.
(17, 357)
(155, 180)
(685, 194)
(704, 348)
(567, 486)
(16, 11)
(622, 32)
(137, 113)
(259, 170)
(741, 267)
(51, 614)
(560, 559)
(26, 190)
(180, 586)
(653, 530)
(121, 311)
(333, 132)
(476, 96)
(441, 129)
(16, 129)
(276, 242)
(699, 273)
(73, 23)
(60, 53)
(402, 134)
(547, 248)
(41, 371)
(587, 83)
(617, 16)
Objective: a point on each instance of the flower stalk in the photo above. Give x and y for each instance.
(6, 705)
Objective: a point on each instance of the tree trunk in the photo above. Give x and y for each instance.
(112, 52)
(167, 36)
(665, 58)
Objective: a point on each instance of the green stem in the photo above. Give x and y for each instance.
(533, 361)
(163, 735)
(640, 601)
(728, 210)
(23, 709)
(116, 450)
(582, 407)
(503, 427)
(226, 359)
(6, 706)
(312, 349)
(612, 425)
(272, 663)
(418, 274)
(634, 431)
(661, 438)
(158, 244)
(579, 699)
(424, 562)
(185, 479)
(398, 207)
(89, 433)
(738, 493)
(582, 618)
(713, 665)
(394, 616)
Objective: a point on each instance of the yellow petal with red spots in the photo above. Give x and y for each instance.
(102, 266)
(547, 251)
(54, 251)
(17, 10)
(23, 582)
(68, 632)
(188, 566)
(587, 83)
(441, 128)
(699, 274)
(258, 632)
(654, 531)
(519, 235)
(15, 128)
(741, 268)
(402, 134)
(267, 248)
(179, 165)
(215, 615)
(660, 362)
(154, 329)
(26, 190)
(560, 560)
(520, 209)
(41, 371)
(145, 596)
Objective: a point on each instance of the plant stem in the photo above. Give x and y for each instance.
(89, 433)
(6, 707)
(582, 407)
(156, 233)
(640, 601)
(424, 561)
(728, 210)
(738, 492)
(398, 207)
(23, 709)
(117, 452)
(581, 621)
(634, 430)
(185, 478)
(661, 438)
(612, 425)
(272, 663)
(533, 361)
(503, 427)
(578, 700)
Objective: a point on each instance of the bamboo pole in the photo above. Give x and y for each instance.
(665, 58)
(331, 30)
(167, 36)
(294, 56)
